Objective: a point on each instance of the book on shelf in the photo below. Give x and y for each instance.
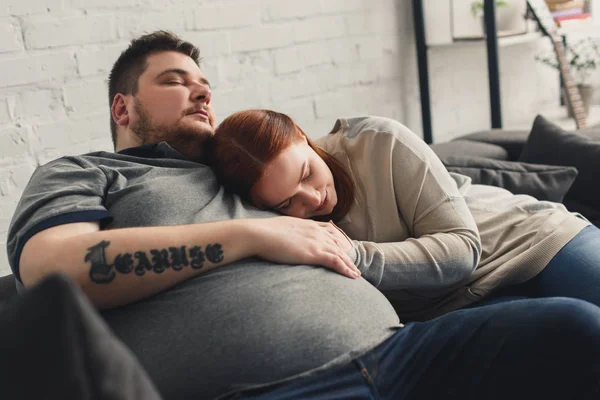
(570, 20)
(567, 12)
(566, 5)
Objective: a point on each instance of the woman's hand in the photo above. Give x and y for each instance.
(212, 118)
(290, 240)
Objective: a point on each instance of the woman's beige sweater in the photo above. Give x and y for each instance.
(429, 239)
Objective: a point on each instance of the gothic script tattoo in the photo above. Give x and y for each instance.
(157, 261)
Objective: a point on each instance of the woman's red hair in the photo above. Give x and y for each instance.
(245, 142)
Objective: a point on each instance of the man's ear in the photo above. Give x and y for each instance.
(119, 111)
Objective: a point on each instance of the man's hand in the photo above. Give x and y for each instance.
(290, 240)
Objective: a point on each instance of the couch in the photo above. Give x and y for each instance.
(545, 162)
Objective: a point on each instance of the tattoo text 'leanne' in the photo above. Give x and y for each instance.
(101, 271)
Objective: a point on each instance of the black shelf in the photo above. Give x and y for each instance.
(423, 66)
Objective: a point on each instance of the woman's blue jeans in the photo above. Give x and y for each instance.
(499, 349)
(573, 272)
(523, 349)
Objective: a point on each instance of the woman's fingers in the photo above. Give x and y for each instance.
(336, 244)
(344, 257)
(340, 262)
(337, 237)
(343, 242)
(336, 264)
(291, 240)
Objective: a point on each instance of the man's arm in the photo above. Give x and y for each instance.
(116, 267)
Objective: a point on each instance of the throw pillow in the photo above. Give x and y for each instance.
(544, 182)
(550, 144)
(54, 344)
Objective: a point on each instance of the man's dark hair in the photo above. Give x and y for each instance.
(132, 63)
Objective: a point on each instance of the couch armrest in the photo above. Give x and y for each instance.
(7, 288)
(469, 148)
(511, 140)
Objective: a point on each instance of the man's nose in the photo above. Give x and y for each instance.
(202, 92)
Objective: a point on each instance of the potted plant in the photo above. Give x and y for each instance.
(583, 58)
(477, 7)
(477, 10)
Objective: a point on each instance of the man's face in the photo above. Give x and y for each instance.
(172, 104)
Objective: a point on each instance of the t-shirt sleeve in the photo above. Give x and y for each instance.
(63, 191)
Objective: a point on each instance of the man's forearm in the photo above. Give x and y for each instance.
(116, 267)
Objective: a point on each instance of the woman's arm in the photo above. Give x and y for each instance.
(430, 261)
(443, 246)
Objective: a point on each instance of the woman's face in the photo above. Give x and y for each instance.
(296, 183)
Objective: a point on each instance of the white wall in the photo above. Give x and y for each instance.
(459, 87)
(315, 60)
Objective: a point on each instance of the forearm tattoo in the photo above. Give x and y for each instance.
(156, 260)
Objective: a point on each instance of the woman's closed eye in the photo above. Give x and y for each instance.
(288, 203)
(285, 205)
(308, 175)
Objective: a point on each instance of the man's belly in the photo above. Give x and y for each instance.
(251, 323)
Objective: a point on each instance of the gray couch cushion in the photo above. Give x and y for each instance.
(469, 148)
(549, 144)
(511, 141)
(544, 182)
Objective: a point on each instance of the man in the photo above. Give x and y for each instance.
(216, 299)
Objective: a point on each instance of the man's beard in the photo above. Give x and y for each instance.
(188, 140)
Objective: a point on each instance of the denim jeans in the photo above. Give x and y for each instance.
(521, 349)
(573, 272)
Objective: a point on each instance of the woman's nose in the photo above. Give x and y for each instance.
(312, 199)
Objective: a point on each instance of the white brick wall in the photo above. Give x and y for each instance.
(313, 59)
(10, 35)
(459, 82)
(89, 28)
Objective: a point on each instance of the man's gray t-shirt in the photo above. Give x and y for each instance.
(245, 324)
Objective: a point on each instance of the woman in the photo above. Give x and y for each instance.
(428, 239)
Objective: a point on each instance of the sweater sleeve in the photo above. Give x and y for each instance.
(444, 245)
